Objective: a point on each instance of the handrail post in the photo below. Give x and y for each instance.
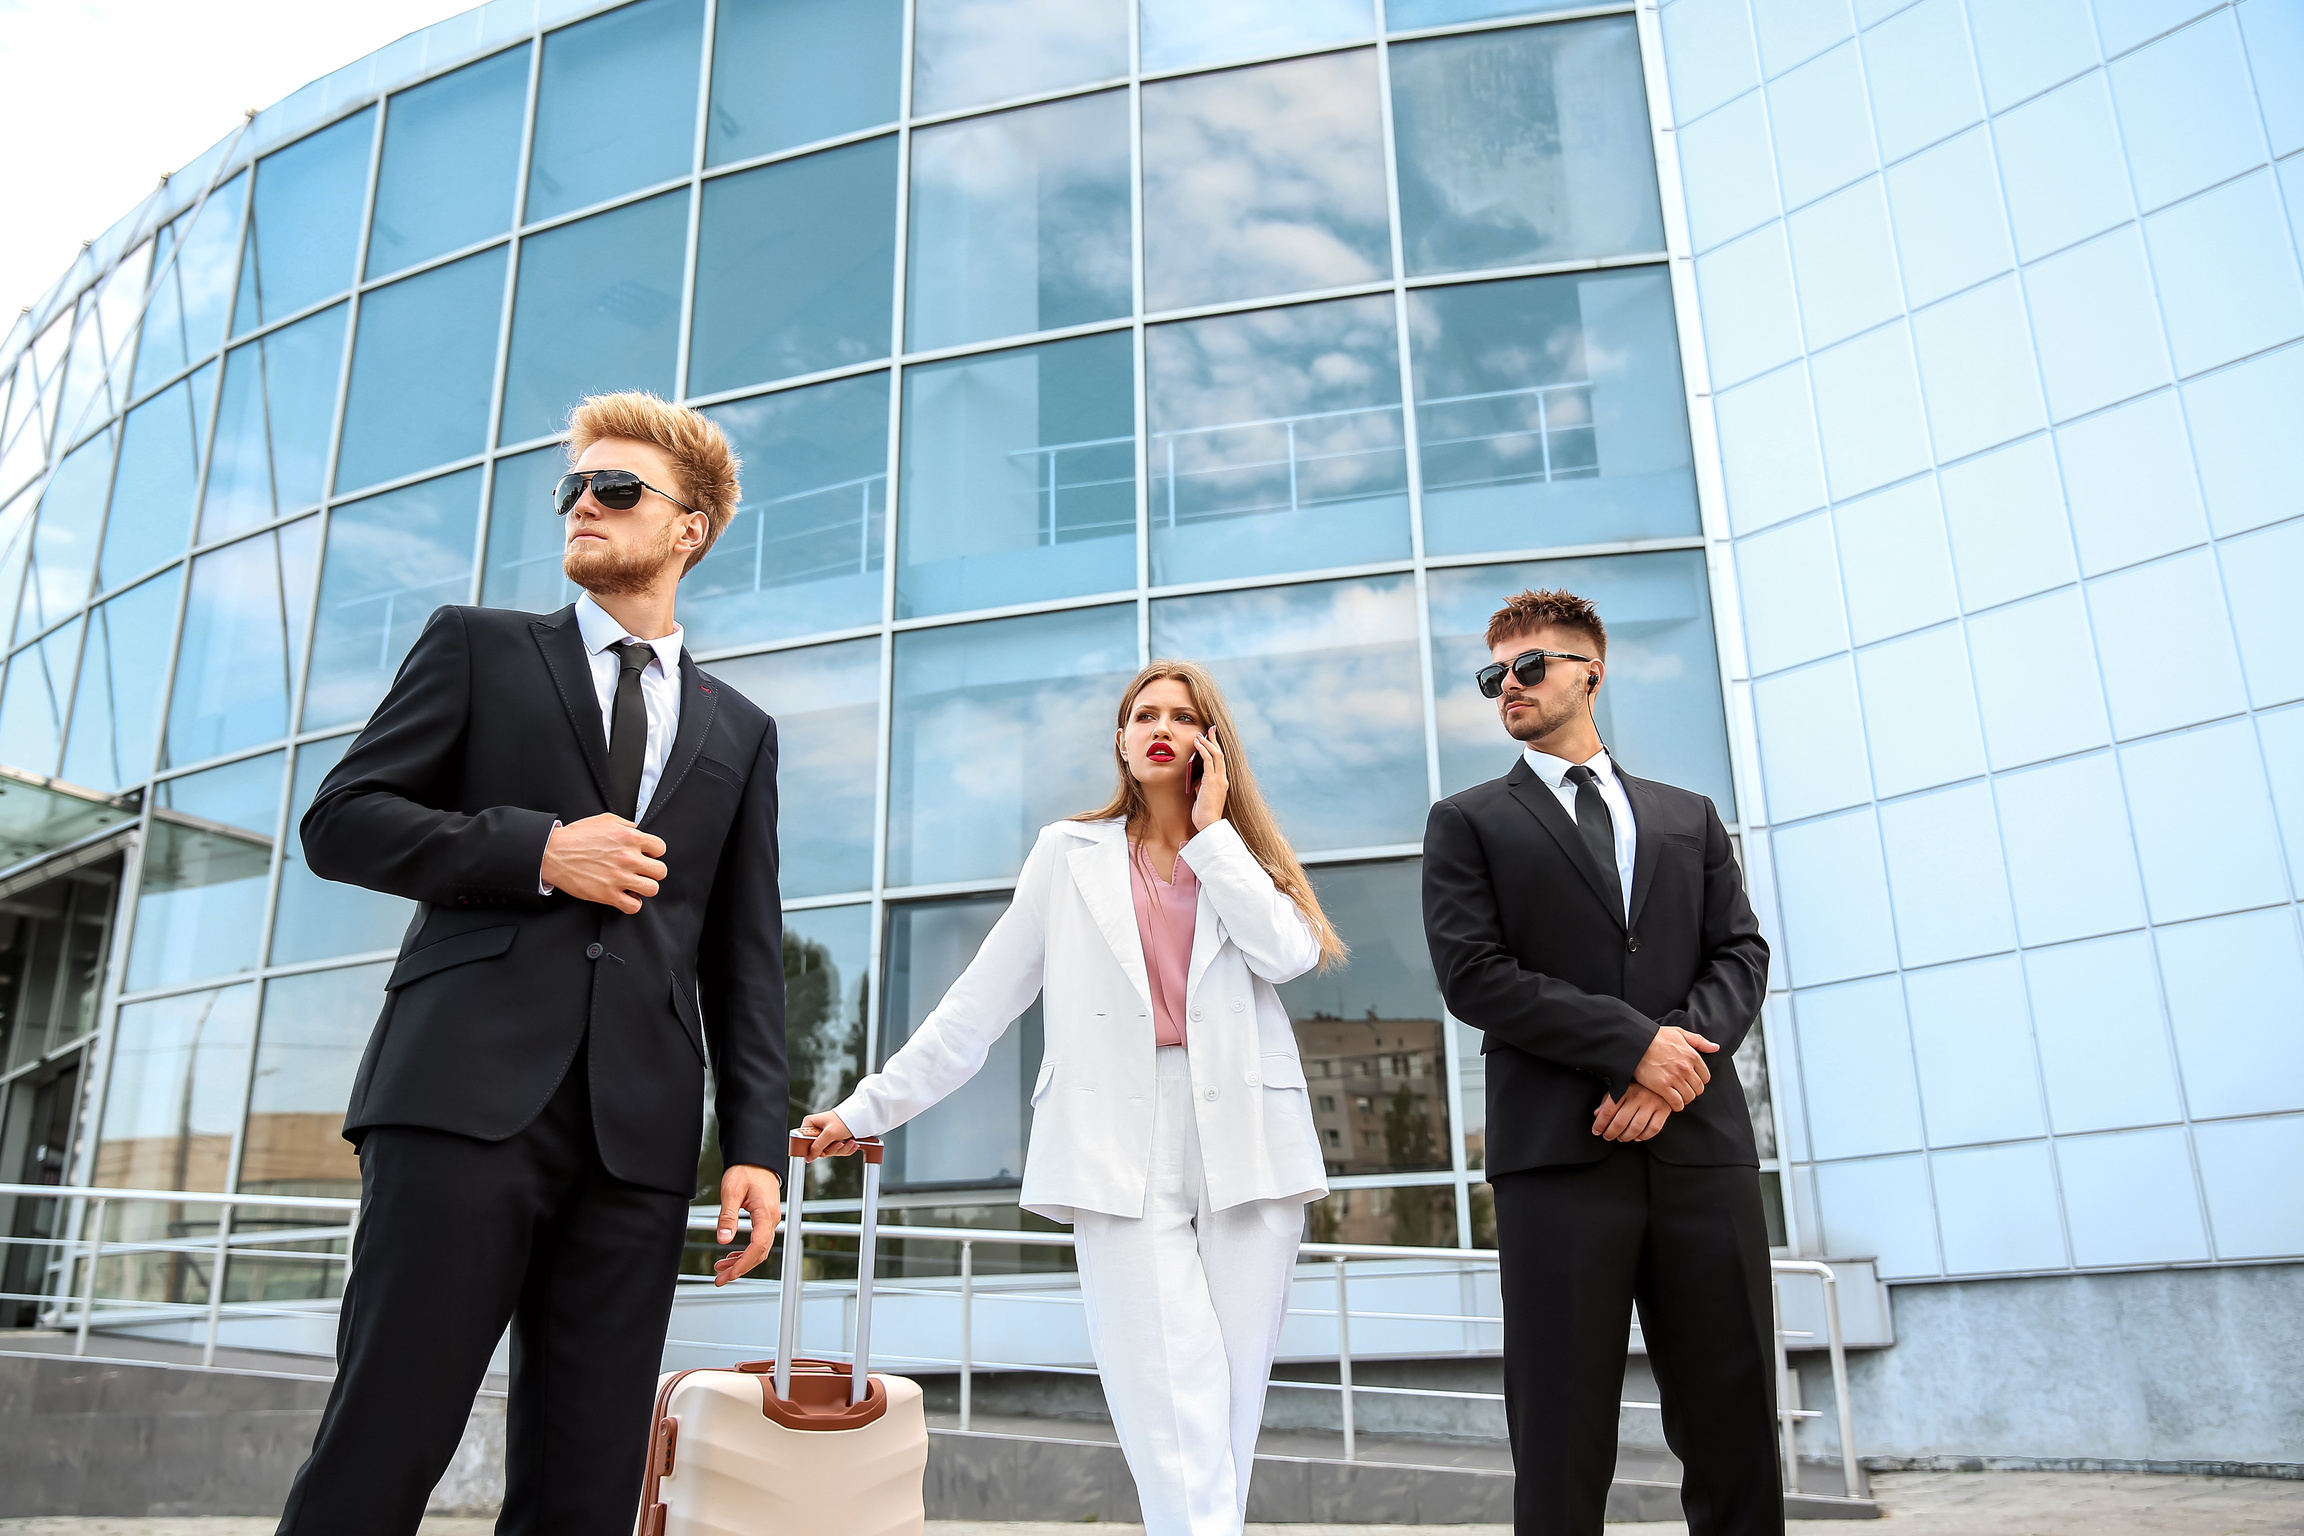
(1785, 1423)
(88, 1292)
(216, 1283)
(967, 1326)
(1848, 1472)
(1344, 1353)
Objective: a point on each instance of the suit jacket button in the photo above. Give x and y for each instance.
(594, 951)
(1631, 946)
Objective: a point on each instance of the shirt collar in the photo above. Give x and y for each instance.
(1554, 770)
(601, 630)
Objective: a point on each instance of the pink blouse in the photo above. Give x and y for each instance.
(1165, 912)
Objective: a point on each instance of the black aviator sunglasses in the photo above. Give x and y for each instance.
(1528, 667)
(616, 489)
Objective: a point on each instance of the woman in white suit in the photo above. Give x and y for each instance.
(1170, 1123)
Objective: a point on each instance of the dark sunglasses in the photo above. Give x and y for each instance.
(616, 489)
(1528, 667)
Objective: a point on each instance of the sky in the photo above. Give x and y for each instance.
(104, 96)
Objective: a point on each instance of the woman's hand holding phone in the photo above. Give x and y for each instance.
(1211, 784)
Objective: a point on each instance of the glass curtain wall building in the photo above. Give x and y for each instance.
(1290, 338)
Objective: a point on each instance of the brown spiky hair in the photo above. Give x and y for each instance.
(700, 452)
(1524, 612)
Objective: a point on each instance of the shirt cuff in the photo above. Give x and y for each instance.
(544, 887)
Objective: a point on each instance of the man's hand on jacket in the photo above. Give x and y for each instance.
(747, 1188)
(1673, 1066)
(605, 859)
(1640, 1115)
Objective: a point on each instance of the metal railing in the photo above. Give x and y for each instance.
(74, 1260)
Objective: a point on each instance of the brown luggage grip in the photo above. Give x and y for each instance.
(652, 1511)
(819, 1397)
(872, 1147)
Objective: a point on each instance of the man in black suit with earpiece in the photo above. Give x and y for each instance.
(1594, 928)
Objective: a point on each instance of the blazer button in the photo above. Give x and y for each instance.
(1251, 1079)
(594, 951)
(1196, 1014)
(1237, 1005)
(1210, 1095)
(1631, 946)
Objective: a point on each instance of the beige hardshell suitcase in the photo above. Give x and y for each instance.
(790, 1445)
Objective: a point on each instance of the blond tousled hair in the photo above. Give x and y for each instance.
(1244, 803)
(700, 452)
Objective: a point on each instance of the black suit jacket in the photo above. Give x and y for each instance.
(1565, 993)
(492, 732)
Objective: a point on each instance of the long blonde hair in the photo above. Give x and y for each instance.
(1244, 804)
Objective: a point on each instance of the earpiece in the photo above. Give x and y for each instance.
(1591, 681)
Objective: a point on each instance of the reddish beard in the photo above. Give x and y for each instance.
(606, 571)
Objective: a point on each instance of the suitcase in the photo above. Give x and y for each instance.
(790, 1445)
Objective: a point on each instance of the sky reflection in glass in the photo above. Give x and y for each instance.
(795, 268)
(64, 540)
(243, 646)
(1264, 181)
(1181, 33)
(423, 367)
(809, 541)
(616, 108)
(1524, 146)
(391, 561)
(172, 1097)
(1019, 477)
(451, 163)
(32, 706)
(526, 539)
(1549, 412)
(191, 286)
(1001, 728)
(304, 228)
(598, 309)
(791, 72)
(826, 702)
(966, 53)
(1277, 441)
(159, 480)
(1659, 711)
(1019, 222)
(116, 713)
(200, 910)
(1333, 663)
(273, 424)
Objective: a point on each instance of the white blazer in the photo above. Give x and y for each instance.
(1070, 937)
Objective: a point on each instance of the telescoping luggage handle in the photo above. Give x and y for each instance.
(788, 1322)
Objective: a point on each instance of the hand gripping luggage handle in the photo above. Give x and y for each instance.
(788, 1320)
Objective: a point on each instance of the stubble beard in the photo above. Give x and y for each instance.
(606, 572)
(1536, 722)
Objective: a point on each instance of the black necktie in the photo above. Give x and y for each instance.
(628, 729)
(1598, 829)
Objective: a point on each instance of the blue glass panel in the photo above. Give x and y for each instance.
(526, 538)
(968, 52)
(116, 716)
(791, 72)
(195, 263)
(1020, 222)
(827, 961)
(38, 691)
(616, 108)
(1034, 698)
(975, 1136)
(826, 700)
(316, 918)
(243, 646)
(200, 911)
(1181, 33)
(451, 163)
(315, 1027)
(159, 480)
(1660, 710)
(1524, 146)
(423, 367)
(64, 541)
(391, 561)
(172, 1104)
(598, 309)
(1276, 441)
(1365, 784)
(304, 227)
(87, 397)
(1402, 15)
(808, 544)
(272, 426)
(1549, 411)
(1019, 477)
(1264, 181)
(795, 267)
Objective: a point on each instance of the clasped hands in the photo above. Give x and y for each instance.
(1670, 1076)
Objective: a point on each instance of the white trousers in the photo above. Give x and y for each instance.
(1185, 1305)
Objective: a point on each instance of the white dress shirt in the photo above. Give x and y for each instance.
(1554, 772)
(659, 688)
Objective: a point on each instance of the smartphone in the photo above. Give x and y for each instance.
(1199, 768)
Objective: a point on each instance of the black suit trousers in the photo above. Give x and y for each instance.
(1577, 1244)
(457, 1237)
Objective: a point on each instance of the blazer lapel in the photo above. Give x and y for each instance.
(563, 646)
(1100, 874)
(1647, 839)
(1534, 794)
(1205, 940)
(697, 702)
